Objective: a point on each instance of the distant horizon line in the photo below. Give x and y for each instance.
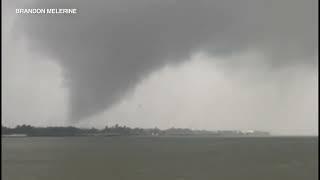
(120, 125)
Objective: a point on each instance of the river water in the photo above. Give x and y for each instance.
(159, 158)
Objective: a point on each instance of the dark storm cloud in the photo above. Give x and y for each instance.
(109, 46)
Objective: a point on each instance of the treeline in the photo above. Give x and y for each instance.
(47, 131)
(74, 131)
(116, 131)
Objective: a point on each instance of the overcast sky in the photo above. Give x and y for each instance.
(206, 64)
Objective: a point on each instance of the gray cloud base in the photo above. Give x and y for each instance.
(110, 46)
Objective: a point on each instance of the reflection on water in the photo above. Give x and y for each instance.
(159, 158)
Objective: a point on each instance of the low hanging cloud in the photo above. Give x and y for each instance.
(110, 46)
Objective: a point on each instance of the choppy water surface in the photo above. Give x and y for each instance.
(159, 158)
